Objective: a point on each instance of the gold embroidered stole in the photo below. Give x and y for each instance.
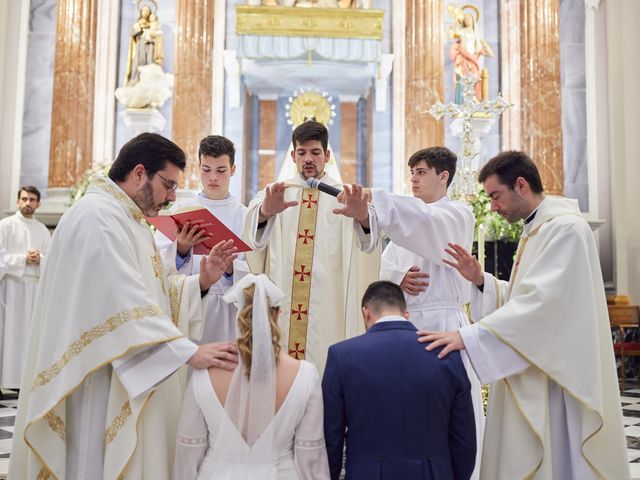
(302, 266)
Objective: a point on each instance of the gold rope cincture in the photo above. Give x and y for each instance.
(301, 284)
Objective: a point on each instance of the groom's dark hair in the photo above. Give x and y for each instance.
(384, 295)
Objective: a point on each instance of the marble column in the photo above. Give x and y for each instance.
(510, 74)
(193, 71)
(424, 73)
(73, 87)
(267, 146)
(541, 114)
(348, 141)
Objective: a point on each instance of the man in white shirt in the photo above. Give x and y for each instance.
(25, 241)
(542, 339)
(422, 226)
(216, 165)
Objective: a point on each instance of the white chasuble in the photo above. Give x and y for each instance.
(544, 339)
(419, 233)
(99, 399)
(220, 321)
(314, 256)
(18, 290)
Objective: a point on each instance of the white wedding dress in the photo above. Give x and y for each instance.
(296, 431)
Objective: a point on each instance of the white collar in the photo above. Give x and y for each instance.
(391, 318)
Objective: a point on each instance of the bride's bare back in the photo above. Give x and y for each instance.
(286, 372)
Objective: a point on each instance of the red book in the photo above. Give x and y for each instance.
(169, 225)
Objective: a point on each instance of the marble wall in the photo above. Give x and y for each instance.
(128, 15)
(574, 108)
(490, 31)
(36, 129)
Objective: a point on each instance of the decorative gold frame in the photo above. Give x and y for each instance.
(309, 22)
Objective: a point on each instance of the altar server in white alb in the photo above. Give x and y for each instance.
(419, 229)
(25, 241)
(311, 253)
(100, 397)
(216, 166)
(542, 340)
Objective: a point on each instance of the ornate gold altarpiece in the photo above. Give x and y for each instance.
(309, 22)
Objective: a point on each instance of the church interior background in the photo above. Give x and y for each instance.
(370, 69)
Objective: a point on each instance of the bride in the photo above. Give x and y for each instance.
(265, 419)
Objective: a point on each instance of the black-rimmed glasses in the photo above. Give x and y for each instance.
(170, 185)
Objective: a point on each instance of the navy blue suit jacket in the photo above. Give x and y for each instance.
(404, 413)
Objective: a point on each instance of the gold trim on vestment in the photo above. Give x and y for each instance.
(87, 337)
(578, 399)
(175, 299)
(56, 423)
(140, 415)
(120, 196)
(516, 265)
(536, 433)
(302, 273)
(158, 269)
(117, 423)
(44, 474)
(69, 392)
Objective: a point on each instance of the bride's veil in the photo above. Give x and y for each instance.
(250, 402)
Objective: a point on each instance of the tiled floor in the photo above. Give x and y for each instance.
(630, 411)
(8, 405)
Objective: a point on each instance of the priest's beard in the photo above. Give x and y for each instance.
(144, 200)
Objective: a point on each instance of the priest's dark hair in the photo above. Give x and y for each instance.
(509, 166)
(29, 189)
(216, 146)
(310, 130)
(151, 150)
(441, 159)
(384, 295)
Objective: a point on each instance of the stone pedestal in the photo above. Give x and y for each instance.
(143, 120)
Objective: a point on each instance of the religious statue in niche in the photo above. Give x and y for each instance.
(145, 43)
(146, 85)
(467, 50)
(314, 3)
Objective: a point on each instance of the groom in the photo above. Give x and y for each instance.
(408, 414)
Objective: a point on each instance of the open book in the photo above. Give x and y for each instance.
(169, 224)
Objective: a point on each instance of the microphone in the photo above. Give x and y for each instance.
(323, 187)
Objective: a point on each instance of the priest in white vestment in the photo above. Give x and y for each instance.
(216, 166)
(25, 241)
(310, 252)
(419, 229)
(99, 398)
(542, 339)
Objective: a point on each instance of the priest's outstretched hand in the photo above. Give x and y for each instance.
(274, 201)
(451, 341)
(356, 203)
(222, 355)
(465, 263)
(218, 261)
